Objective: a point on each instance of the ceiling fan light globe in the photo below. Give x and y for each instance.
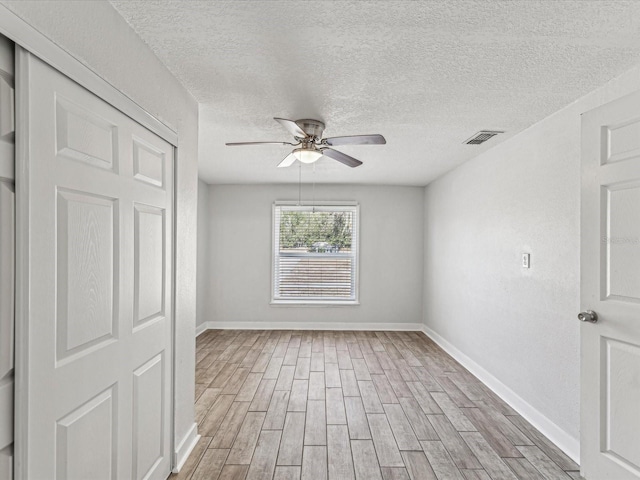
(307, 155)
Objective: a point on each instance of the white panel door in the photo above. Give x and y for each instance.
(98, 188)
(7, 256)
(610, 286)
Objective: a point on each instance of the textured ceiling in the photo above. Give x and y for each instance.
(425, 74)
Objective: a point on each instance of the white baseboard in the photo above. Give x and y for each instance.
(405, 327)
(185, 447)
(201, 328)
(564, 441)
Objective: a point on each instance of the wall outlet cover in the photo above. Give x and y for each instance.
(526, 260)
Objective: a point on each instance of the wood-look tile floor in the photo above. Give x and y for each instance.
(291, 405)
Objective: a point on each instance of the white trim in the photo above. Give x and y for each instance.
(316, 203)
(567, 443)
(184, 449)
(174, 335)
(312, 303)
(23, 34)
(391, 327)
(200, 329)
(22, 300)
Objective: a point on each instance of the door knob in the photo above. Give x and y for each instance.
(588, 316)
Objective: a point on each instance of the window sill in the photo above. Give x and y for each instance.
(312, 303)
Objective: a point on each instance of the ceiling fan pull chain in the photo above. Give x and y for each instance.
(313, 193)
(299, 184)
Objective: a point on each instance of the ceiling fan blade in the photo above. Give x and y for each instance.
(238, 144)
(288, 161)
(292, 127)
(356, 140)
(341, 157)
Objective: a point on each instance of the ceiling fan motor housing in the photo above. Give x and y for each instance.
(313, 128)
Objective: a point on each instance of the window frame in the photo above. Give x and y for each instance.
(311, 302)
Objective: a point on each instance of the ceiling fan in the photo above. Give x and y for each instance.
(308, 136)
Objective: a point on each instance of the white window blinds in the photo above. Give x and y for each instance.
(315, 253)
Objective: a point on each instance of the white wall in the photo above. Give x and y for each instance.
(99, 37)
(391, 255)
(203, 255)
(519, 325)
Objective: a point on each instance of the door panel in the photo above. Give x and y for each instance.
(84, 136)
(622, 141)
(621, 426)
(85, 440)
(86, 273)
(148, 163)
(623, 238)
(100, 258)
(610, 285)
(148, 416)
(7, 257)
(150, 267)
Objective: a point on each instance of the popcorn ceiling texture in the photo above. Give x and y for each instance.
(427, 75)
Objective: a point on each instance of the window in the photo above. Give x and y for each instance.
(315, 254)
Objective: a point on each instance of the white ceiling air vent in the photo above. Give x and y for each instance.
(481, 137)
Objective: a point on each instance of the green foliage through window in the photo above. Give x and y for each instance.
(315, 231)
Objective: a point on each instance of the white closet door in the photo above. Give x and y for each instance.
(7, 256)
(99, 199)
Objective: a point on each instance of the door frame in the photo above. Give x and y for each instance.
(29, 39)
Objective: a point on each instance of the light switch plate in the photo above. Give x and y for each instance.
(526, 260)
